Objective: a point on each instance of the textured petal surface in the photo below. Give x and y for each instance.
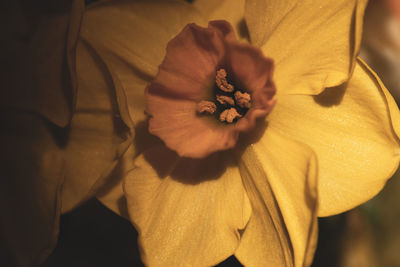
(32, 173)
(252, 73)
(131, 37)
(111, 193)
(187, 212)
(312, 43)
(97, 136)
(187, 75)
(182, 130)
(188, 69)
(354, 131)
(280, 177)
(112, 30)
(231, 11)
(251, 70)
(37, 49)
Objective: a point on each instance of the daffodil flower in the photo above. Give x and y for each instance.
(330, 142)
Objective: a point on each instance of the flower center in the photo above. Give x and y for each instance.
(229, 103)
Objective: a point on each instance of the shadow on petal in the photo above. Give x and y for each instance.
(143, 139)
(331, 96)
(188, 170)
(243, 30)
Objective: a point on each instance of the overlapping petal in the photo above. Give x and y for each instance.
(187, 76)
(231, 11)
(280, 177)
(188, 69)
(132, 45)
(131, 37)
(32, 173)
(97, 136)
(187, 212)
(38, 44)
(313, 44)
(111, 192)
(37, 91)
(354, 130)
(184, 131)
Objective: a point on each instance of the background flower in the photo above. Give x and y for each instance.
(61, 130)
(37, 82)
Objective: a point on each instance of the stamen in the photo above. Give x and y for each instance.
(229, 105)
(225, 100)
(222, 83)
(229, 115)
(206, 107)
(243, 99)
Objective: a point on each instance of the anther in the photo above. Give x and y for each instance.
(222, 83)
(206, 107)
(229, 115)
(225, 100)
(243, 99)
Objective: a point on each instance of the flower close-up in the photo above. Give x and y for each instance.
(225, 128)
(207, 189)
(192, 106)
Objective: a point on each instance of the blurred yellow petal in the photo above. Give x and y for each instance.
(187, 212)
(37, 46)
(31, 178)
(131, 37)
(97, 136)
(231, 11)
(314, 44)
(354, 131)
(37, 91)
(280, 177)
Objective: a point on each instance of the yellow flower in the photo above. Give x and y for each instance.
(330, 143)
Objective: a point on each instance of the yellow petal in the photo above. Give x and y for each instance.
(313, 43)
(353, 130)
(38, 57)
(131, 38)
(187, 212)
(280, 177)
(111, 193)
(97, 137)
(31, 178)
(231, 11)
